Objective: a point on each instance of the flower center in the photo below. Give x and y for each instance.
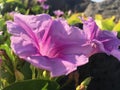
(49, 51)
(93, 45)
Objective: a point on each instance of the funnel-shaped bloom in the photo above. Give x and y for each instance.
(47, 43)
(58, 13)
(99, 41)
(45, 6)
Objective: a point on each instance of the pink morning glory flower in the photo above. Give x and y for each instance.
(41, 1)
(47, 43)
(58, 13)
(99, 41)
(45, 6)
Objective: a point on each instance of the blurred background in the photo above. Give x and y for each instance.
(104, 69)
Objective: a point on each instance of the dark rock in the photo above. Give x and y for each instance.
(106, 8)
(105, 71)
(65, 5)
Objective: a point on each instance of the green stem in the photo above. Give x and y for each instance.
(39, 73)
(7, 68)
(33, 71)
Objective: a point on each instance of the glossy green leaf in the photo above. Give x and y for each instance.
(34, 85)
(105, 24)
(108, 24)
(74, 19)
(98, 17)
(8, 1)
(8, 51)
(117, 27)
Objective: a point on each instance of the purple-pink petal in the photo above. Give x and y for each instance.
(24, 30)
(58, 66)
(41, 1)
(45, 6)
(47, 43)
(58, 13)
(100, 41)
(90, 28)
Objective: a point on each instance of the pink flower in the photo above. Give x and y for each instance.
(1, 32)
(47, 43)
(45, 6)
(58, 13)
(98, 41)
(41, 1)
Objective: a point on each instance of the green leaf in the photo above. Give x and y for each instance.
(117, 27)
(34, 85)
(98, 17)
(74, 19)
(2, 22)
(105, 24)
(8, 51)
(36, 9)
(108, 23)
(8, 1)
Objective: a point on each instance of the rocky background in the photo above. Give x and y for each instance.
(107, 8)
(65, 5)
